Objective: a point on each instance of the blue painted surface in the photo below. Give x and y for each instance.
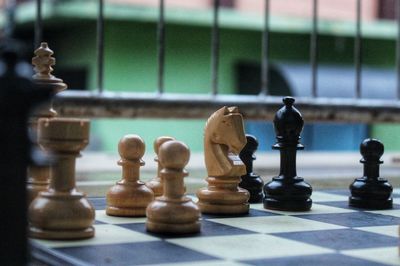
(315, 137)
(333, 81)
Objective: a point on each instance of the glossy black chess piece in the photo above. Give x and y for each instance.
(251, 181)
(371, 191)
(18, 95)
(288, 192)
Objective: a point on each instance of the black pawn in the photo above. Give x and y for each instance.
(288, 192)
(251, 181)
(371, 191)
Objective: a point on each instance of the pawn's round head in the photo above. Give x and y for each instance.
(174, 154)
(371, 149)
(131, 147)
(159, 141)
(252, 143)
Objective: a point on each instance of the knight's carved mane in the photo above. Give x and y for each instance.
(215, 152)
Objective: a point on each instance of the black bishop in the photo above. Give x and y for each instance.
(288, 192)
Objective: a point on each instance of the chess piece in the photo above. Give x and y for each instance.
(129, 196)
(288, 192)
(38, 176)
(224, 138)
(371, 191)
(18, 96)
(251, 181)
(173, 213)
(156, 184)
(62, 212)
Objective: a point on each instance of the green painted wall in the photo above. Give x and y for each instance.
(130, 65)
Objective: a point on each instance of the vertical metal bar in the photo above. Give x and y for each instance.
(358, 51)
(265, 52)
(398, 49)
(215, 49)
(314, 50)
(10, 23)
(161, 47)
(38, 24)
(100, 47)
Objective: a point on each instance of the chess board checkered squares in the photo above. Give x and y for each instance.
(388, 230)
(101, 216)
(275, 224)
(247, 247)
(314, 260)
(390, 257)
(318, 196)
(105, 234)
(354, 219)
(342, 239)
(205, 263)
(391, 212)
(315, 209)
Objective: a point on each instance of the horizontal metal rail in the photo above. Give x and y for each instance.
(200, 106)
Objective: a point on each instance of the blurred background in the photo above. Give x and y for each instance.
(331, 157)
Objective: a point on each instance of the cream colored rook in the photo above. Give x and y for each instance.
(156, 184)
(224, 138)
(62, 212)
(38, 177)
(130, 196)
(173, 213)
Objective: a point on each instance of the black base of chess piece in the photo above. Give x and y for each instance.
(251, 181)
(293, 196)
(288, 192)
(371, 191)
(254, 184)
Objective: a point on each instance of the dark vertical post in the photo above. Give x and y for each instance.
(358, 51)
(18, 95)
(215, 49)
(314, 50)
(265, 52)
(161, 47)
(100, 47)
(10, 24)
(398, 49)
(38, 24)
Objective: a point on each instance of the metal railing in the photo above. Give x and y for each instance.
(101, 103)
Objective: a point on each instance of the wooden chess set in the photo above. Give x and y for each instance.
(235, 220)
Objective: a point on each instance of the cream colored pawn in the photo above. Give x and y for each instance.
(156, 184)
(129, 196)
(173, 213)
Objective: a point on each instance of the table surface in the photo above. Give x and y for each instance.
(330, 234)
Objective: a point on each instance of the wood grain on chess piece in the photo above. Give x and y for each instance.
(38, 176)
(156, 184)
(62, 212)
(224, 138)
(173, 213)
(129, 196)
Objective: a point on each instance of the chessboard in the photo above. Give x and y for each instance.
(332, 233)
